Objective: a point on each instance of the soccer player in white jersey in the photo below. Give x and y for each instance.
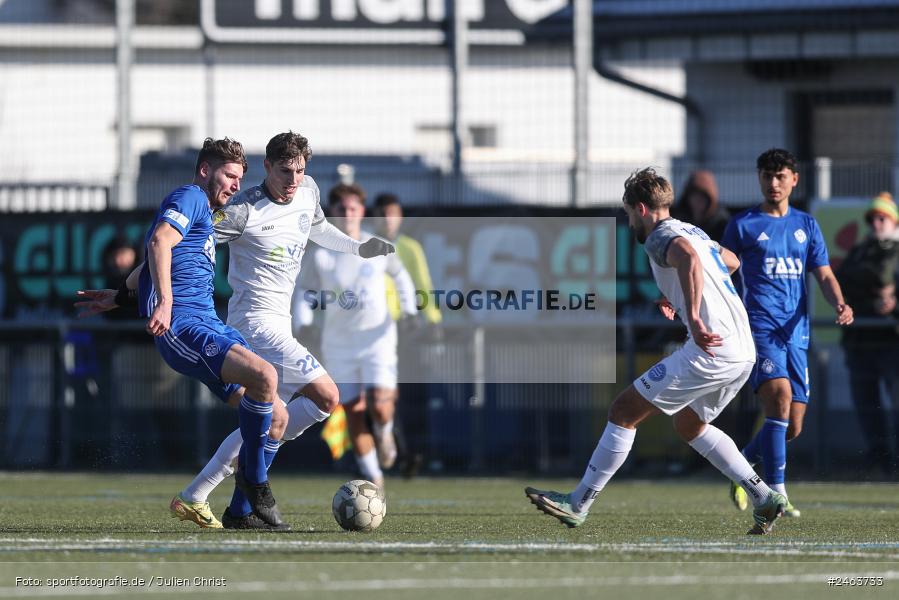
(693, 384)
(267, 227)
(359, 337)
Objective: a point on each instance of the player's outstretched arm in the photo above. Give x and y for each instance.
(375, 247)
(94, 302)
(684, 259)
(830, 287)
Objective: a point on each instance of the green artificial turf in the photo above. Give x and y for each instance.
(447, 538)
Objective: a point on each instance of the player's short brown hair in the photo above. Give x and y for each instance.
(287, 147)
(648, 187)
(220, 152)
(341, 190)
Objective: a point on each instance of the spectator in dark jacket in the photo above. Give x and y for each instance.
(698, 204)
(868, 279)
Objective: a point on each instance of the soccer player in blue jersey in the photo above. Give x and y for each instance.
(175, 294)
(777, 245)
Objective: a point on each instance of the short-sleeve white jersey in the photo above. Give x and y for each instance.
(359, 321)
(721, 310)
(267, 240)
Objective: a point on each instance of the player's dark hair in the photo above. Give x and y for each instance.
(341, 190)
(648, 187)
(384, 200)
(287, 147)
(220, 152)
(775, 159)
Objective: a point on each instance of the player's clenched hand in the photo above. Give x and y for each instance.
(845, 315)
(704, 338)
(375, 247)
(160, 320)
(96, 302)
(666, 308)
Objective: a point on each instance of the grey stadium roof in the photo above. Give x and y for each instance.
(617, 19)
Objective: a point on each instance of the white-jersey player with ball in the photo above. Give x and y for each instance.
(696, 382)
(267, 228)
(359, 336)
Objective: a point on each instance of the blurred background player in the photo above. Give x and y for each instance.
(389, 221)
(694, 384)
(868, 278)
(175, 292)
(777, 245)
(359, 337)
(267, 228)
(698, 204)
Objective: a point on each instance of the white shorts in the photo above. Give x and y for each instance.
(295, 365)
(694, 379)
(354, 374)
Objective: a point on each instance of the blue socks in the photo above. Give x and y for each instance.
(240, 506)
(769, 446)
(752, 451)
(255, 419)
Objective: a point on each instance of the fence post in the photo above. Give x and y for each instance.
(476, 402)
(823, 174)
(63, 395)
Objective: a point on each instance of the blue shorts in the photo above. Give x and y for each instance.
(777, 359)
(196, 345)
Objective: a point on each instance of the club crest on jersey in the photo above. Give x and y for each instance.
(218, 216)
(800, 236)
(304, 223)
(211, 349)
(767, 366)
(657, 373)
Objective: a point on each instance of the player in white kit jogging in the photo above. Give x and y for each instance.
(359, 337)
(267, 228)
(696, 382)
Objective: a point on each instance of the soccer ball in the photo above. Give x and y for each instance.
(359, 505)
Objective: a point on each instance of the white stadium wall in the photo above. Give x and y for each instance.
(381, 100)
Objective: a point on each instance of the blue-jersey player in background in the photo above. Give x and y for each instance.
(175, 293)
(777, 246)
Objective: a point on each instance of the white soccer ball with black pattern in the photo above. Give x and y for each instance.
(359, 505)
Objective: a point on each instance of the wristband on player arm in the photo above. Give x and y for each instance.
(126, 298)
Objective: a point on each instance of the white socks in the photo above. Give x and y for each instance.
(369, 467)
(216, 470)
(610, 454)
(780, 488)
(717, 447)
(303, 414)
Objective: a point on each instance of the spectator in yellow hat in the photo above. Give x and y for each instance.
(868, 279)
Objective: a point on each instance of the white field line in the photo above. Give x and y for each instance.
(877, 550)
(462, 583)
